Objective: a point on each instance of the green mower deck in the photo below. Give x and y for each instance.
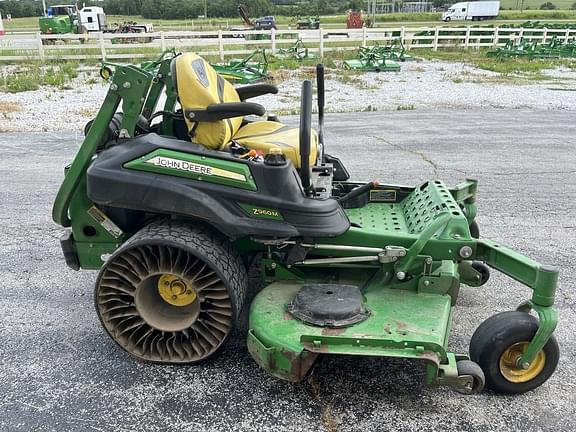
(287, 347)
(372, 65)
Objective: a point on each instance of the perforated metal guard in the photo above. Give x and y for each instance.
(425, 202)
(412, 215)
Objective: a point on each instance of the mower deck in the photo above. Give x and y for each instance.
(383, 65)
(287, 347)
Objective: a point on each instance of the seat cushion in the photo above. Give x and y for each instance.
(198, 86)
(264, 135)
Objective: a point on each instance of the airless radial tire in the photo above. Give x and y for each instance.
(171, 294)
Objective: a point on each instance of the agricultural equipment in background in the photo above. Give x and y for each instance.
(66, 19)
(298, 51)
(525, 48)
(356, 20)
(62, 19)
(247, 70)
(394, 50)
(308, 23)
(174, 203)
(130, 27)
(377, 59)
(264, 23)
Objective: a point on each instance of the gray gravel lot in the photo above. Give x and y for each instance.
(60, 372)
(420, 85)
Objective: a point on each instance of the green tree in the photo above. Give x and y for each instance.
(547, 6)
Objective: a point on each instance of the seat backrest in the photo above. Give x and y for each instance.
(198, 85)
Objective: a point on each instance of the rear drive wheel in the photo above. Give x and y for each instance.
(497, 345)
(171, 294)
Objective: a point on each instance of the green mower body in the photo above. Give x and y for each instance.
(350, 268)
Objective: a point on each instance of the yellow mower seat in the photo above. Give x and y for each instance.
(198, 86)
(264, 135)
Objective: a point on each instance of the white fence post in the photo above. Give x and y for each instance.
(521, 33)
(402, 35)
(567, 35)
(363, 36)
(273, 37)
(40, 46)
(496, 32)
(544, 35)
(467, 39)
(321, 33)
(436, 32)
(162, 41)
(102, 46)
(220, 45)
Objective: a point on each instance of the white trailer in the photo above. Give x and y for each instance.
(474, 10)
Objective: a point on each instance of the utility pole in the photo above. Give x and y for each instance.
(205, 9)
(44, 7)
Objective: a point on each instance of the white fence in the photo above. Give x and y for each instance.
(112, 46)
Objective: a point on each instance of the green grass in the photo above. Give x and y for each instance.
(32, 76)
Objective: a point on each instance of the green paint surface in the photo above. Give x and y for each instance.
(393, 329)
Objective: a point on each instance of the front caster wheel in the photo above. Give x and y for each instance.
(172, 293)
(467, 368)
(474, 230)
(497, 345)
(484, 271)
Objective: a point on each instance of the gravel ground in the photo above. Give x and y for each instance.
(420, 85)
(60, 372)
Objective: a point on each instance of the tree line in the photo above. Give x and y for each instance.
(191, 9)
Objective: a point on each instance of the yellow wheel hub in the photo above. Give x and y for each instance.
(176, 291)
(509, 364)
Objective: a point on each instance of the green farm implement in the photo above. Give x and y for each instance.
(298, 51)
(555, 49)
(247, 70)
(308, 23)
(376, 59)
(173, 203)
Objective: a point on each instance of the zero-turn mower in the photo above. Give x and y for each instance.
(173, 203)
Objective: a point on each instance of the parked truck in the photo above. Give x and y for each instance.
(474, 10)
(64, 19)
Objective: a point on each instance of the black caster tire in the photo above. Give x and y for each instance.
(499, 341)
(172, 293)
(483, 269)
(468, 367)
(474, 230)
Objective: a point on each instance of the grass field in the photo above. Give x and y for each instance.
(534, 4)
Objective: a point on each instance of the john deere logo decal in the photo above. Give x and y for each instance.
(195, 168)
(198, 66)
